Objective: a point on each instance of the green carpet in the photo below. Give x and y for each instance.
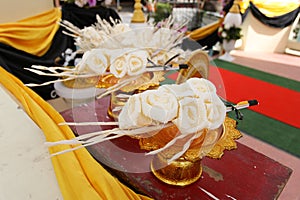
(260, 126)
(284, 82)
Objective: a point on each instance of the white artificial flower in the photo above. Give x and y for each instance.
(159, 105)
(118, 66)
(216, 111)
(192, 116)
(94, 61)
(201, 87)
(179, 91)
(131, 115)
(136, 62)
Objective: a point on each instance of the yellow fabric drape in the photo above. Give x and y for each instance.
(271, 8)
(33, 35)
(244, 5)
(205, 31)
(78, 174)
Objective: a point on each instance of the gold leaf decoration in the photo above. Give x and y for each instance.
(227, 141)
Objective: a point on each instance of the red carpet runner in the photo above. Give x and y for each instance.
(274, 101)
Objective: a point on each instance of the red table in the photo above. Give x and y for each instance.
(240, 174)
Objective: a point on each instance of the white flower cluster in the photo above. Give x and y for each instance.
(94, 36)
(224, 33)
(105, 45)
(191, 106)
(120, 35)
(119, 62)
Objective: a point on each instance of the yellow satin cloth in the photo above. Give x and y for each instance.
(271, 8)
(33, 35)
(78, 174)
(205, 31)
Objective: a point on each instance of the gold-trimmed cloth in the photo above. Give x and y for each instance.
(205, 31)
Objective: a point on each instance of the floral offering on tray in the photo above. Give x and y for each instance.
(176, 122)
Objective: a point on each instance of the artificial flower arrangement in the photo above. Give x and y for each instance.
(229, 32)
(113, 49)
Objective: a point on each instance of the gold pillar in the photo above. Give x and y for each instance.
(138, 15)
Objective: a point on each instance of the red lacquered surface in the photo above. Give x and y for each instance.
(240, 174)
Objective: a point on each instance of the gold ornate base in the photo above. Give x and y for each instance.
(180, 172)
(187, 169)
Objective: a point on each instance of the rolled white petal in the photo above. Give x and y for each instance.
(180, 91)
(201, 87)
(131, 115)
(97, 61)
(216, 111)
(136, 62)
(118, 66)
(161, 106)
(191, 116)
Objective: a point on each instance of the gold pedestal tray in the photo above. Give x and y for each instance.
(187, 169)
(181, 172)
(80, 83)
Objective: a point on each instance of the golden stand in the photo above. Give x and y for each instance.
(138, 15)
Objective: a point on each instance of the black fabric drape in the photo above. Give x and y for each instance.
(276, 22)
(14, 60)
(82, 17)
(210, 40)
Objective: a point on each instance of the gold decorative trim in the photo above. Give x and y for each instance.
(227, 141)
